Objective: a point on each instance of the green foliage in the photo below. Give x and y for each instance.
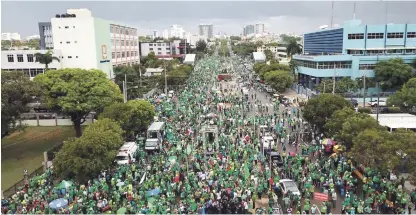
(355, 124)
(293, 66)
(318, 110)
(393, 110)
(178, 76)
(293, 48)
(46, 58)
(392, 73)
(201, 46)
(83, 158)
(279, 80)
(78, 92)
(334, 124)
(405, 97)
(16, 92)
(269, 55)
(414, 64)
(287, 39)
(244, 48)
(342, 86)
(264, 68)
(366, 110)
(237, 38)
(133, 116)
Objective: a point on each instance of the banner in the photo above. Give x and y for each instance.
(320, 196)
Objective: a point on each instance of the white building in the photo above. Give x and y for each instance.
(33, 37)
(206, 30)
(10, 36)
(177, 31)
(259, 28)
(159, 48)
(278, 50)
(166, 34)
(195, 38)
(153, 71)
(24, 60)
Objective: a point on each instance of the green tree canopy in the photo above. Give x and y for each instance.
(269, 55)
(405, 97)
(201, 46)
(83, 158)
(17, 91)
(245, 48)
(46, 58)
(392, 73)
(334, 125)
(342, 86)
(293, 48)
(279, 80)
(133, 116)
(78, 92)
(318, 110)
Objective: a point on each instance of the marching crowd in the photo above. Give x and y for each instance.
(183, 179)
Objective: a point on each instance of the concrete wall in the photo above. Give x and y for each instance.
(103, 47)
(52, 122)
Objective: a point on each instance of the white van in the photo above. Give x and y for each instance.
(127, 153)
(155, 134)
(171, 93)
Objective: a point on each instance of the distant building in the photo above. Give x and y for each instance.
(177, 31)
(45, 33)
(259, 28)
(153, 71)
(206, 30)
(278, 50)
(155, 34)
(259, 57)
(175, 49)
(10, 36)
(33, 37)
(248, 30)
(353, 50)
(166, 34)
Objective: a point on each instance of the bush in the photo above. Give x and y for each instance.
(364, 110)
(394, 110)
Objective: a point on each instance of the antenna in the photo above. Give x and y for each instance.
(332, 14)
(354, 10)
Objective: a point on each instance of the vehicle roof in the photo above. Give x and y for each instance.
(275, 154)
(285, 180)
(156, 126)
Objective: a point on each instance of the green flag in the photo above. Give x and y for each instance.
(188, 149)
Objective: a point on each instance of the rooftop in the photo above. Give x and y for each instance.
(397, 120)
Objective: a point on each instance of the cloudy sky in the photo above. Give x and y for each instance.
(228, 17)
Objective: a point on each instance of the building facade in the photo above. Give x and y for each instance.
(206, 30)
(10, 36)
(25, 60)
(177, 31)
(125, 45)
(175, 49)
(248, 30)
(259, 28)
(278, 50)
(356, 53)
(45, 33)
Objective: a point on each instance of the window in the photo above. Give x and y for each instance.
(66, 26)
(159, 53)
(355, 36)
(151, 49)
(123, 54)
(30, 58)
(159, 48)
(35, 72)
(122, 42)
(112, 41)
(128, 54)
(374, 52)
(117, 30)
(367, 66)
(68, 42)
(113, 55)
(76, 56)
(69, 56)
(410, 51)
(150, 44)
(411, 34)
(73, 26)
(167, 52)
(375, 35)
(167, 48)
(355, 52)
(118, 54)
(158, 44)
(394, 35)
(75, 41)
(10, 58)
(19, 58)
(112, 29)
(60, 42)
(394, 51)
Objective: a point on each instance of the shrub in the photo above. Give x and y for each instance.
(364, 110)
(394, 110)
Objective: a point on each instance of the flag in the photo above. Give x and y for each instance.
(189, 132)
(188, 149)
(176, 179)
(246, 172)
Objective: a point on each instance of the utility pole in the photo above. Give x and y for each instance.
(333, 85)
(378, 98)
(324, 86)
(166, 82)
(125, 88)
(365, 94)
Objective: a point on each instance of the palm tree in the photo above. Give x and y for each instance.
(293, 48)
(46, 58)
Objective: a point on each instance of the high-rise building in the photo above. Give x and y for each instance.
(206, 30)
(155, 34)
(46, 38)
(166, 34)
(259, 28)
(248, 30)
(176, 31)
(10, 36)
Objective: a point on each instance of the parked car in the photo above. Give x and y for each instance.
(354, 102)
(375, 102)
(288, 185)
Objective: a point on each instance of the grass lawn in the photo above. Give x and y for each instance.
(24, 150)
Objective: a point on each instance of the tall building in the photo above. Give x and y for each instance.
(206, 30)
(176, 31)
(45, 33)
(166, 34)
(155, 34)
(259, 28)
(353, 50)
(10, 36)
(248, 30)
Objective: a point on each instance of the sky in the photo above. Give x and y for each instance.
(226, 16)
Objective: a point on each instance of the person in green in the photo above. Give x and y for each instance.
(323, 208)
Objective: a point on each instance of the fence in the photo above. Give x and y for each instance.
(49, 119)
(14, 188)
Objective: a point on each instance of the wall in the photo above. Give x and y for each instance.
(77, 41)
(103, 47)
(52, 122)
(329, 41)
(45, 33)
(166, 48)
(117, 35)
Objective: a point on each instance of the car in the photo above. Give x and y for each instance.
(277, 209)
(375, 102)
(277, 160)
(354, 102)
(287, 185)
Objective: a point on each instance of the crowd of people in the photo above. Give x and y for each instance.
(231, 178)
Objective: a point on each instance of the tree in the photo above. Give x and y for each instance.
(46, 58)
(318, 110)
(133, 116)
(405, 148)
(237, 38)
(85, 157)
(269, 55)
(201, 46)
(279, 80)
(392, 73)
(334, 125)
(414, 64)
(353, 125)
(293, 66)
(78, 92)
(273, 67)
(34, 44)
(17, 91)
(342, 86)
(257, 67)
(292, 48)
(405, 97)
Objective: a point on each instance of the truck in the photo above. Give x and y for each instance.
(209, 135)
(127, 153)
(154, 136)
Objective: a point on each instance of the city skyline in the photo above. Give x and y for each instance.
(278, 17)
